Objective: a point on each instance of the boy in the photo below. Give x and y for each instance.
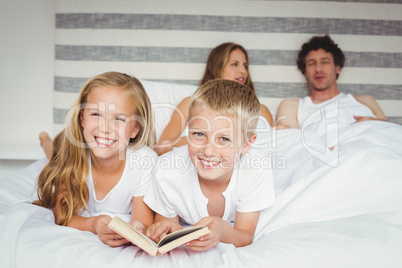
(217, 188)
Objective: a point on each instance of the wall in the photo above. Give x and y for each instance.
(26, 75)
(169, 42)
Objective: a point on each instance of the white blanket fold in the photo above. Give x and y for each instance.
(343, 215)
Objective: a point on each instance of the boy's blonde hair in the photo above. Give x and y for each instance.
(229, 98)
(67, 170)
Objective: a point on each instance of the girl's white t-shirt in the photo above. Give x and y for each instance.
(138, 172)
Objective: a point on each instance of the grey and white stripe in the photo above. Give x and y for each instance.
(199, 55)
(227, 23)
(169, 42)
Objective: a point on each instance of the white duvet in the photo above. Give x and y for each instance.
(334, 209)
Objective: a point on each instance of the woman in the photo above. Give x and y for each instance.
(227, 61)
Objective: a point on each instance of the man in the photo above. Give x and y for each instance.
(321, 60)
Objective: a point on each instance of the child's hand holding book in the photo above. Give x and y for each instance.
(165, 244)
(159, 230)
(107, 235)
(139, 226)
(217, 228)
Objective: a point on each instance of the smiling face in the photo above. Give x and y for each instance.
(108, 122)
(321, 71)
(237, 67)
(215, 144)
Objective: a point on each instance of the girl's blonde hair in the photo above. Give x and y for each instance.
(217, 60)
(66, 173)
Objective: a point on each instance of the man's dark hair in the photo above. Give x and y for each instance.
(324, 42)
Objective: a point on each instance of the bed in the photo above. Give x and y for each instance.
(342, 209)
(338, 209)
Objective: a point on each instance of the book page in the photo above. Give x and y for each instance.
(133, 235)
(185, 236)
(173, 236)
(169, 242)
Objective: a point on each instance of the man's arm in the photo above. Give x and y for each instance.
(286, 116)
(371, 103)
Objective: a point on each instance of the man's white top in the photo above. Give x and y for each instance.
(330, 115)
(176, 189)
(138, 173)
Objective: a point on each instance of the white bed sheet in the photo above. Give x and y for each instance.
(344, 216)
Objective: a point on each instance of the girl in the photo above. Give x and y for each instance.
(227, 61)
(93, 168)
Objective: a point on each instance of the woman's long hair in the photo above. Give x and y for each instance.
(217, 60)
(62, 182)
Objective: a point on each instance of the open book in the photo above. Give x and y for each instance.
(169, 242)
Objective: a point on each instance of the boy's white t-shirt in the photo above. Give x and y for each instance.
(138, 173)
(175, 189)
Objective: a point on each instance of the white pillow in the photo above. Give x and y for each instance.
(164, 98)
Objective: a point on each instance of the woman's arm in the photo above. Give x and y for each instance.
(286, 116)
(170, 136)
(267, 115)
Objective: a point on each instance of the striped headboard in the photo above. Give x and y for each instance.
(169, 41)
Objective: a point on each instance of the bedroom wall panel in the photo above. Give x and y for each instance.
(169, 41)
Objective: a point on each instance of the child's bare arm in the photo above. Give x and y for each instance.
(140, 212)
(240, 235)
(98, 225)
(162, 227)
